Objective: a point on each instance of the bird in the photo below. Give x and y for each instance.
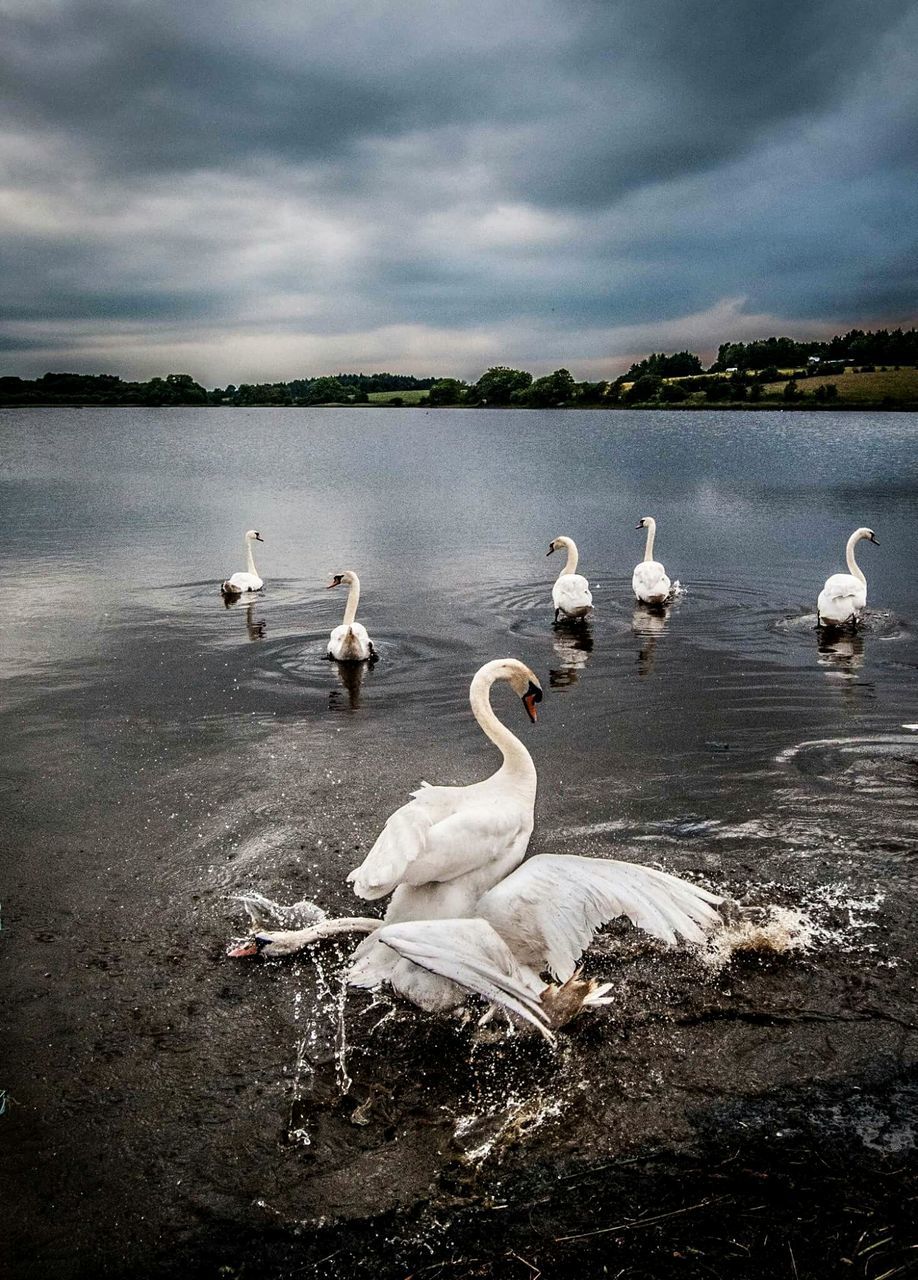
(649, 580)
(240, 583)
(571, 593)
(845, 594)
(440, 852)
(538, 919)
(350, 642)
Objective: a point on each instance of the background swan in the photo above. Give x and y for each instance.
(540, 918)
(248, 581)
(649, 580)
(571, 592)
(845, 594)
(350, 642)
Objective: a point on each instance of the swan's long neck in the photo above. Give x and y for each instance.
(651, 526)
(853, 565)
(353, 599)
(249, 558)
(572, 558)
(517, 760)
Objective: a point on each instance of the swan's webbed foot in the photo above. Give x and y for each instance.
(563, 1003)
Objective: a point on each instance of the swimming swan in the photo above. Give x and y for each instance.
(239, 583)
(540, 918)
(845, 594)
(350, 642)
(571, 592)
(649, 581)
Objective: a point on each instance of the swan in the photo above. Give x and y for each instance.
(649, 580)
(571, 592)
(845, 594)
(440, 852)
(539, 918)
(239, 583)
(350, 642)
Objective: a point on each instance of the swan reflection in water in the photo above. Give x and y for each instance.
(648, 622)
(254, 626)
(573, 643)
(841, 651)
(350, 677)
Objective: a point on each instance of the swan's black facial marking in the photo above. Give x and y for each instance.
(532, 695)
(336, 581)
(551, 549)
(872, 537)
(639, 525)
(258, 537)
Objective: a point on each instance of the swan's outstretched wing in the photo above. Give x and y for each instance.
(444, 832)
(549, 908)
(471, 954)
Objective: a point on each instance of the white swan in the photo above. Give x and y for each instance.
(845, 594)
(540, 918)
(350, 642)
(447, 833)
(239, 583)
(649, 580)
(571, 593)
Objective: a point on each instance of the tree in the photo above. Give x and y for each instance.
(498, 385)
(645, 388)
(672, 393)
(447, 391)
(792, 391)
(679, 365)
(555, 389)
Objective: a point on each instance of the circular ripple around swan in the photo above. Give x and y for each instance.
(408, 666)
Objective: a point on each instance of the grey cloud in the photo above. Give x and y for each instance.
(549, 170)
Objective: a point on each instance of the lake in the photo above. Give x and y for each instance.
(162, 752)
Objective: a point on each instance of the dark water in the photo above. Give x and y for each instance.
(161, 752)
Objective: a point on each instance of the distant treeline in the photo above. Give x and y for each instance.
(181, 388)
(739, 373)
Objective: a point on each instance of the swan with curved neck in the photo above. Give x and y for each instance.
(845, 594)
(650, 582)
(350, 642)
(240, 583)
(571, 594)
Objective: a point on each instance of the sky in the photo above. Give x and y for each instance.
(261, 191)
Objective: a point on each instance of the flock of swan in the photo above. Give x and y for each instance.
(466, 914)
(840, 604)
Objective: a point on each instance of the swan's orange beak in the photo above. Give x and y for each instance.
(247, 948)
(532, 695)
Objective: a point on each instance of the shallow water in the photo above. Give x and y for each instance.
(161, 751)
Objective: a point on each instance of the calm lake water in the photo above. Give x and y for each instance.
(161, 752)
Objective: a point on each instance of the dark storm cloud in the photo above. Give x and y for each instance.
(557, 172)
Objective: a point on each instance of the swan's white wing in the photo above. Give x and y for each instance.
(650, 578)
(443, 833)
(549, 908)
(570, 592)
(842, 595)
(471, 954)
(244, 582)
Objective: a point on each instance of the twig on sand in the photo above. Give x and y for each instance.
(643, 1222)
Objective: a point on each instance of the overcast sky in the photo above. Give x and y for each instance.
(265, 189)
